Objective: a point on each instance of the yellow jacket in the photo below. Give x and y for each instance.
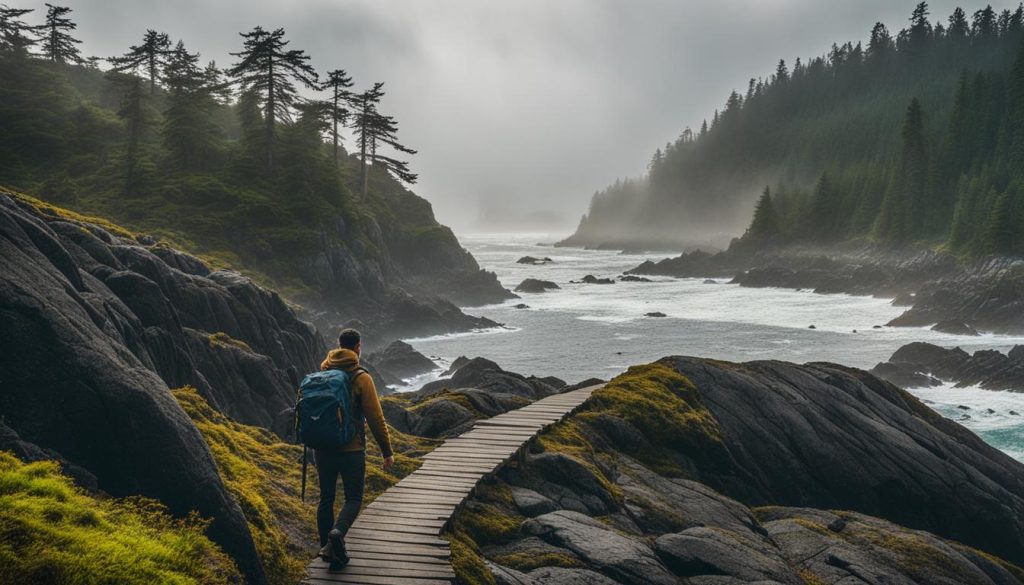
(364, 395)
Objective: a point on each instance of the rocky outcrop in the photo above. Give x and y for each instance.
(591, 279)
(476, 388)
(988, 368)
(534, 261)
(768, 450)
(532, 285)
(399, 361)
(97, 325)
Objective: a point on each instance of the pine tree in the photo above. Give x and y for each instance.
(1000, 232)
(16, 36)
(880, 44)
(821, 217)
(904, 206)
(765, 225)
(269, 70)
(1015, 115)
(58, 44)
(781, 73)
(374, 129)
(920, 30)
(133, 112)
(151, 54)
(338, 82)
(191, 137)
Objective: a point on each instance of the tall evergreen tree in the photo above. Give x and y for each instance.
(133, 111)
(959, 28)
(765, 225)
(16, 35)
(374, 129)
(880, 44)
(903, 209)
(58, 44)
(151, 55)
(191, 136)
(338, 84)
(268, 69)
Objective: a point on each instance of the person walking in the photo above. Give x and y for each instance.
(349, 460)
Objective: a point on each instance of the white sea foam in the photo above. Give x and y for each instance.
(588, 330)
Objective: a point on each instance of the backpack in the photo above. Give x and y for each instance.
(325, 417)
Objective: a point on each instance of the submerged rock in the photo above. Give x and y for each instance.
(591, 279)
(655, 314)
(634, 278)
(534, 261)
(955, 327)
(533, 285)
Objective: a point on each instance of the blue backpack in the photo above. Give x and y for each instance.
(325, 416)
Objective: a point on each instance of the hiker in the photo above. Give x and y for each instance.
(347, 391)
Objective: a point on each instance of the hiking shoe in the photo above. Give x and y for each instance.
(338, 555)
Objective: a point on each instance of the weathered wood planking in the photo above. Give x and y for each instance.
(396, 539)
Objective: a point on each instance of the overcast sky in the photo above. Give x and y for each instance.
(520, 105)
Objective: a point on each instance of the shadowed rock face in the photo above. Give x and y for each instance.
(97, 327)
(826, 436)
(769, 451)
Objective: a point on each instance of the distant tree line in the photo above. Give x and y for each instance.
(917, 137)
(180, 121)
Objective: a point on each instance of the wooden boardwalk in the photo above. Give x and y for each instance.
(396, 539)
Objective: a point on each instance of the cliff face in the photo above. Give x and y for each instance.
(395, 269)
(98, 324)
(704, 472)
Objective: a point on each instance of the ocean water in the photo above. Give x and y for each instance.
(581, 331)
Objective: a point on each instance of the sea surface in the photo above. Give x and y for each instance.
(582, 331)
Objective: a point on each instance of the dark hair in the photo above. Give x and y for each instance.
(349, 339)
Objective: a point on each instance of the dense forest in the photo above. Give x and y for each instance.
(916, 136)
(241, 163)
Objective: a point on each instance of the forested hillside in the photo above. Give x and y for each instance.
(245, 165)
(916, 135)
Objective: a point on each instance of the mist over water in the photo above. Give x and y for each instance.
(586, 330)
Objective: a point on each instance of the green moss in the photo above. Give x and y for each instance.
(467, 562)
(569, 438)
(811, 578)
(528, 561)
(54, 532)
(446, 394)
(492, 518)
(48, 210)
(1011, 568)
(221, 338)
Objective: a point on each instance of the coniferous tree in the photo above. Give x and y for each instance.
(765, 225)
(1000, 230)
(338, 82)
(58, 44)
(151, 55)
(190, 135)
(1015, 115)
(904, 204)
(880, 44)
(374, 129)
(133, 111)
(822, 214)
(269, 70)
(959, 28)
(16, 35)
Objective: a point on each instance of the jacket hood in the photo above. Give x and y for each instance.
(340, 359)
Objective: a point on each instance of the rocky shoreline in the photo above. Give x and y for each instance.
(984, 295)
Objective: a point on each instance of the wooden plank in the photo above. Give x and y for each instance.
(438, 482)
(402, 564)
(413, 550)
(412, 515)
(392, 537)
(327, 578)
(389, 570)
(388, 522)
(407, 528)
(380, 556)
(437, 572)
(435, 486)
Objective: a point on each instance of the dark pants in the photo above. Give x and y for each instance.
(351, 467)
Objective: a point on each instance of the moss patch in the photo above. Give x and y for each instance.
(221, 338)
(54, 532)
